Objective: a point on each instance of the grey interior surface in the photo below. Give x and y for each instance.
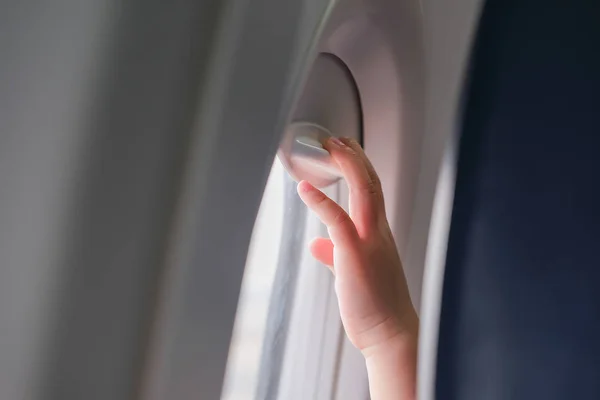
(96, 103)
(110, 114)
(330, 98)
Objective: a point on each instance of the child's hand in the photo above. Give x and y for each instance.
(374, 302)
(375, 306)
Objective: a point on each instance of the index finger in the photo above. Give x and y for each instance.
(339, 224)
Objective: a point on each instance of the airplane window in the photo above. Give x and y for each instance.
(286, 339)
(251, 320)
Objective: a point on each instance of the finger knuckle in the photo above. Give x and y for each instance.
(354, 143)
(373, 188)
(352, 154)
(341, 218)
(319, 198)
(375, 180)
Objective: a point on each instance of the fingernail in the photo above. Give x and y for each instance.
(336, 142)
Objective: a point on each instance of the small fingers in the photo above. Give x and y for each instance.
(374, 181)
(366, 196)
(338, 222)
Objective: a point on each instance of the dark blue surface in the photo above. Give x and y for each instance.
(521, 303)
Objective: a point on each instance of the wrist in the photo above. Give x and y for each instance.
(405, 338)
(391, 366)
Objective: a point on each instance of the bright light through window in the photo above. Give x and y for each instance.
(243, 367)
(288, 342)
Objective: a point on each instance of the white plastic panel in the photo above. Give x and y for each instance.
(449, 28)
